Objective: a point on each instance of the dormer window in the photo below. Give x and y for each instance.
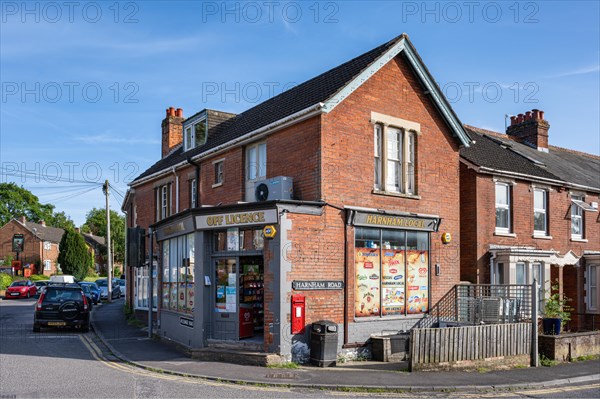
(194, 134)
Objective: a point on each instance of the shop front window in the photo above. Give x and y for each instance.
(178, 274)
(141, 289)
(235, 239)
(225, 281)
(392, 272)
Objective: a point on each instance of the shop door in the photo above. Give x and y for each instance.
(251, 297)
(225, 299)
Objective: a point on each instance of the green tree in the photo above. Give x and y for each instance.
(17, 201)
(61, 220)
(74, 257)
(95, 223)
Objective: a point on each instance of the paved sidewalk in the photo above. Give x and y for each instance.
(131, 344)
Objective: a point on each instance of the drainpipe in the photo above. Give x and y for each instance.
(197, 177)
(176, 190)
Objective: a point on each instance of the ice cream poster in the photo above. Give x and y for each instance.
(417, 281)
(367, 295)
(392, 284)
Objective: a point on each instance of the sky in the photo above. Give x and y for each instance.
(85, 85)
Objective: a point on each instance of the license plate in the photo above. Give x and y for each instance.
(14, 293)
(57, 323)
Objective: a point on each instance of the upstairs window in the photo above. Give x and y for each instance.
(218, 165)
(394, 159)
(194, 134)
(503, 208)
(577, 220)
(162, 201)
(540, 212)
(256, 161)
(193, 193)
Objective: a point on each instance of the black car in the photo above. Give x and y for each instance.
(62, 305)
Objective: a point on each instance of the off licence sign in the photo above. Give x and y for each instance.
(317, 285)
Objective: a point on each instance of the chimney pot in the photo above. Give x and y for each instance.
(513, 120)
(179, 112)
(171, 111)
(542, 115)
(530, 129)
(520, 118)
(528, 115)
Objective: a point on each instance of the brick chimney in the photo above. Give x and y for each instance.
(530, 129)
(43, 223)
(22, 219)
(172, 130)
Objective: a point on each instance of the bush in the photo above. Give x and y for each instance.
(37, 277)
(74, 257)
(5, 280)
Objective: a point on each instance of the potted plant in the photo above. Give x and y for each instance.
(556, 312)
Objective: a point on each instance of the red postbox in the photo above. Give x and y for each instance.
(298, 313)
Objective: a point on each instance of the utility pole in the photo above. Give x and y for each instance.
(108, 248)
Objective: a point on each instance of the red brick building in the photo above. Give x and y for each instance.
(40, 248)
(530, 210)
(335, 192)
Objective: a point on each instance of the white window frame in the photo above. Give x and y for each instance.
(193, 193)
(189, 137)
(47, 264)
(543, 211)
(577, 213)
(377, 153)
(256, 169)
(591, 289)
(507, 206)
(47, 245)
(395, 168)
(218, 169)
(499, 273)
(164, 201)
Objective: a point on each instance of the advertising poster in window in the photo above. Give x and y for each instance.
(190, 296)
(392, 284)
(181, 304)
(367, 301)
(173, 287)
(220, 299)
(417, 281)
(231, 297)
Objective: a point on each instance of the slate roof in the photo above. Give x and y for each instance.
(93, 240)
(45, 233)
(311, 92)
(498, 151)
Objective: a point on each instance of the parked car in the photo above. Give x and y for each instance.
(62, 305)
(94, 289)
(41, 286)
(64, 278)
(87, 291)
(123, 285)
(21, 289)
(103, 285)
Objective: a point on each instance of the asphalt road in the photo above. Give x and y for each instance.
(69, 364)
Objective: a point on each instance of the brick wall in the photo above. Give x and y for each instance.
(34, 252)
(348, 166)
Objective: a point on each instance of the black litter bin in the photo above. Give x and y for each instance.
(323, 343)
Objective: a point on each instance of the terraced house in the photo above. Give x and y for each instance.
(328, 201)
(529, 210)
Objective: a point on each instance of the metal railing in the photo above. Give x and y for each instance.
(476, 304)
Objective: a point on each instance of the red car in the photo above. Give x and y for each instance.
(21, 289)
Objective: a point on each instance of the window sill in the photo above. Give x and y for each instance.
(578, 239)
(217, 185)
(541, 237)
(414, 316)
(396, 194)
(501, 234)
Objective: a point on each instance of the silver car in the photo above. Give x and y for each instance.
(103, 286)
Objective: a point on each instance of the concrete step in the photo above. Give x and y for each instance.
(235, 356)
(242, 345)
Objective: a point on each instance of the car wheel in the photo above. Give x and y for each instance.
(28, 294)
(36, 328)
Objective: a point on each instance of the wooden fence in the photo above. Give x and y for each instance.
(429, 346)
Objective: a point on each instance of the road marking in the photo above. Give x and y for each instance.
(561, 389)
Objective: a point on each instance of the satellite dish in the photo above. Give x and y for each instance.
(261, 192)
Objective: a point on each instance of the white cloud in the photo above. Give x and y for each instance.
(105, 138)
(575, 72)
